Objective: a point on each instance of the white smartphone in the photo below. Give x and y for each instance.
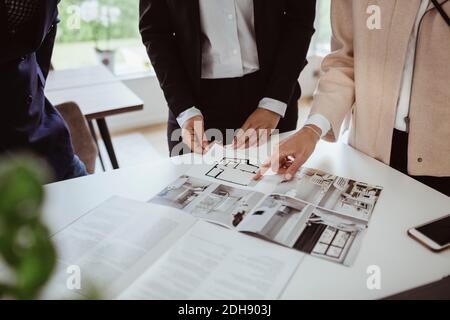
(435, 235)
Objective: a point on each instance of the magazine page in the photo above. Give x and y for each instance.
(228, 169)
(226, 165)
(219, 203)
(347, 197)
(220, 188)
(112, 245)
(305, 227)
(318, 213)
(211, 262)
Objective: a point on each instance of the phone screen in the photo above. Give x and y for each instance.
(438, 231)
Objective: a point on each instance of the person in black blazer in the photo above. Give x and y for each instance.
(28, 121)
(187, 42)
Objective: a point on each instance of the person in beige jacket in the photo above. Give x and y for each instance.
(389, 72)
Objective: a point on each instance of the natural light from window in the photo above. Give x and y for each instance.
(95, 31)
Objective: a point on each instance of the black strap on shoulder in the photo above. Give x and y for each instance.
(441, 11)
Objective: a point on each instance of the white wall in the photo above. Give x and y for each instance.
(155, 108)
(310, 75)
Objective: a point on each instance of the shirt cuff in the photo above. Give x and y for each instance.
(188, 114)
(273, 105)
(321, 122)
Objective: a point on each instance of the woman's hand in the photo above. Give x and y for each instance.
(292, 153)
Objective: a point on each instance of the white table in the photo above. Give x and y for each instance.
(404, 203)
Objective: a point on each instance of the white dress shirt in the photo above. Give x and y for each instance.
(228, 38)
(406, 85)
(229, 47)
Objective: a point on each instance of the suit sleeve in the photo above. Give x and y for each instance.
(335, 95)
(291, 59)
(35, 32)
(159, 39)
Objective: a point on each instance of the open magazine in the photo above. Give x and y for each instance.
(317, 213)
(135, 250)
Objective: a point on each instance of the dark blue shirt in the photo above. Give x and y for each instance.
(28, 121)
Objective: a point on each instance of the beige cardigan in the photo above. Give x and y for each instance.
(363, 76)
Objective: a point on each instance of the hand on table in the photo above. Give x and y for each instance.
(292, 153)
(257, 129)
(193, 135)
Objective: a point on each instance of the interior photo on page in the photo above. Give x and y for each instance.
(345, 196)
(219, 203)
(318, 213)
(302, 226)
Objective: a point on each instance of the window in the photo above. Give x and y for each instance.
(92, 31)
(321, 41)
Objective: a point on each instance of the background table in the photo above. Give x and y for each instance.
(79, 77)
(404, 203)
(98, 93)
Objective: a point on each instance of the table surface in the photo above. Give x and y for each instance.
(96, 90)
(404, 203)
(79, 77)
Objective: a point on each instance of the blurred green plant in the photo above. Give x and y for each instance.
(25, 246)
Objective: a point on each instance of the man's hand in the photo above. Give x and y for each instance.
(292, 153)
(193, 134)
(257, 129)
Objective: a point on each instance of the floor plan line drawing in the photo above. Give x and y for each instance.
(233, 170)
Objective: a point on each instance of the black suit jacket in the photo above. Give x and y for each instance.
(171, 32)
(28, 122)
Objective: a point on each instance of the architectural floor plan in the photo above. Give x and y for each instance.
(238, 171)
